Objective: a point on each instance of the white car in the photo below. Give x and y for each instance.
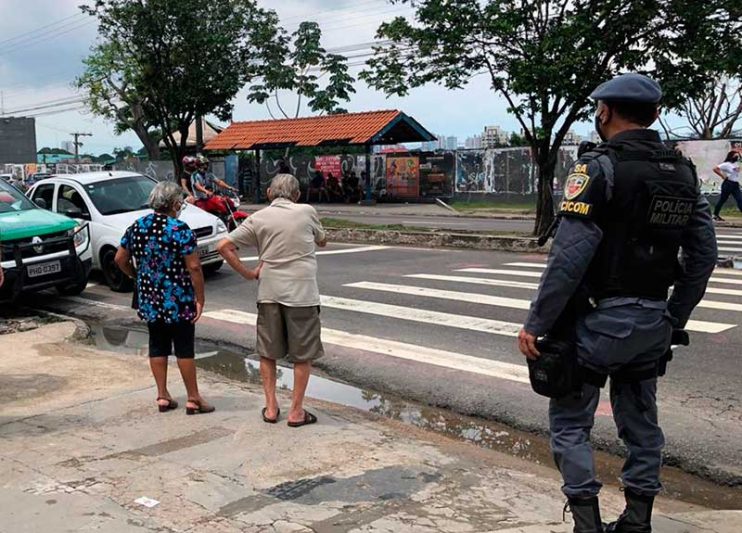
(111, 202)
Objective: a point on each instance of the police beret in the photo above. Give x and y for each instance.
(630, 87)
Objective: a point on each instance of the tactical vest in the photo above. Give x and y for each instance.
(654, 195)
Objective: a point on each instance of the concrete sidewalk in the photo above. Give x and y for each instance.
(82, 441)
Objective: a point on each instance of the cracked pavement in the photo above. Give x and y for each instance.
(83, 444)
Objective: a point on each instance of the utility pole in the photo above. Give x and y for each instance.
(78, 144)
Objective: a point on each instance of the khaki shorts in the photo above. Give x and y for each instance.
(291, 333)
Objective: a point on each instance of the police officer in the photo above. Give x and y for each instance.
(630, 206)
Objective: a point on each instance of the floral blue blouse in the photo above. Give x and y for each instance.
(158, 244)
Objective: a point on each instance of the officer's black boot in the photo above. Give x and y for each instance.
(586, 515)
(637, 517)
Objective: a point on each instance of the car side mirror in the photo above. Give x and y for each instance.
(75, 212)
(41, 203)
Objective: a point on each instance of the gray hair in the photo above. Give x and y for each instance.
(285, 186)
(165, 195)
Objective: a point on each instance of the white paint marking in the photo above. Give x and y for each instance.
(729, 281)
(729, 249)
(728, 236)
(512, 303)
(722, 306)
(501, 272)
(96, 303)
(728, 272)
(400, 350)
(333, 252)
(477, 281)
(472, 323)
(526, 265)
(728, 292)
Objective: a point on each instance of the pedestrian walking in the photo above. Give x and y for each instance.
(170, 290)
(728, 171)
(630, 206)
(285, 234)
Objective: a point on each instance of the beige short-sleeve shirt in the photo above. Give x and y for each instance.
(286, 235)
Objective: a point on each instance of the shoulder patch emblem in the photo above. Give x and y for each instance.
(575, 185)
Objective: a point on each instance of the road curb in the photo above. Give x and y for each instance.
(422, 239)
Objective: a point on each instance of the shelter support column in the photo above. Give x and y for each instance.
(369, 200)
(256, 177)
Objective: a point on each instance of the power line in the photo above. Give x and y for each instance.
(25, 34)
(48, 36)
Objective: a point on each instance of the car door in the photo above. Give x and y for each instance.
(44, 192)
(71, 203)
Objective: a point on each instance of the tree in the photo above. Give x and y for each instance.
(517, 140)
(714, 112)
(108, 82)
(188, 58)
(544, 57)
(299, 67)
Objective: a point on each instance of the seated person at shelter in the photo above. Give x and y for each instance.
(334, 190)
(317, 186)
(351, 187)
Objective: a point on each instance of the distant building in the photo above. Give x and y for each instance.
(17, 140)
(473, 143)
(52, 159)
(451, 143)
(572, 138)
(494, 136)
(595, 138)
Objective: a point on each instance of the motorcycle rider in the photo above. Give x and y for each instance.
(190, 165)
(203, 185)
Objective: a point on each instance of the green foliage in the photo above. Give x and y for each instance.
(298, 63)
(187, 58)
(546, 56)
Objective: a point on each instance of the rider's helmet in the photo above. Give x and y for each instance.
(203, 162)
(190, 163)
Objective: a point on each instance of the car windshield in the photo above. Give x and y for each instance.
(12, 200)
(121, 195)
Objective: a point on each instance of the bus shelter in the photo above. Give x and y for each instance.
(367, 129)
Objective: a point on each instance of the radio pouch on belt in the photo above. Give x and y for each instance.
(554, 374)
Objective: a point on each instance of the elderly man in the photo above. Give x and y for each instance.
(285, 234)
(170, 287)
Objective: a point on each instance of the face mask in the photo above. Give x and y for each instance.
(598, 128)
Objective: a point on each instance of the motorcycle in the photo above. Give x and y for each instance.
(235, 217)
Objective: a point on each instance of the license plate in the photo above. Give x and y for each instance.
(44, 269)
(204, 251)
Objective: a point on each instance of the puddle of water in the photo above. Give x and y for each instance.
(484, 433)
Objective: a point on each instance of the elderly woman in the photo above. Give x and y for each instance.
(170, 287)
(285, 234)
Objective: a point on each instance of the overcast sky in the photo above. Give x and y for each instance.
(37, 65)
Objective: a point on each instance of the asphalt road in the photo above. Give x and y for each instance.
(438, 326)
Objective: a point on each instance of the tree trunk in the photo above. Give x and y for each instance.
(546, 163)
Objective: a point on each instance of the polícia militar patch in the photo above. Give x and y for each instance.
(575, 185)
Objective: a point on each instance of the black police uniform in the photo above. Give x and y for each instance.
(628, 207)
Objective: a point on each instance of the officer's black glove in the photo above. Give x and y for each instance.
(679, 337)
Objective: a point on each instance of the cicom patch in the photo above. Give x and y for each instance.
(575, 185)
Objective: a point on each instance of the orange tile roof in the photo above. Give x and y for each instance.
(347, 128)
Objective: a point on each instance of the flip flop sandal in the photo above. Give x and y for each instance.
(172, 404)
(270, 420)
(309, 418)
(200, 410)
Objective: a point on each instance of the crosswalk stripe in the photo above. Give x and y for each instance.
(501, 272)
(728, 236)
(513, 303)
(729, 249)
(693, 325)
(713, 279)
(332, 252)
(733, 243)
(399, 350)
(476, 281)
(477, 298)
(728, 272)
(472, 323)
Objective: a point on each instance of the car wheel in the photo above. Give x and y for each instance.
(212, 268)
(115, 279)
(77, 286)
